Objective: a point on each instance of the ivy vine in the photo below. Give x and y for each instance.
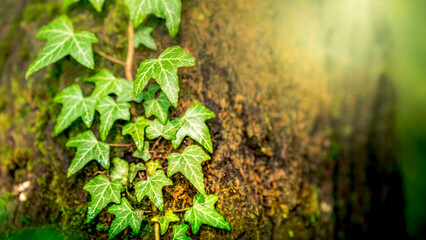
(113, 188)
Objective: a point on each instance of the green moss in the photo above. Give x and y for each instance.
(40, 11)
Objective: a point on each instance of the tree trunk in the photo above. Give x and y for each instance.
(303, 135)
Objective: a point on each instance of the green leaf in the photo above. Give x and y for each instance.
(189, 164)
(106, 83)
(179, 232)
(152, 166)
(143, 36)
(88, 149)
(167, 9)
(158, 107)
(97, 4)
(61, 41)
(194, 126)
(165, 220)
(74, 105)
(134, 168)
(153, 188)
(144, 154)
(110, 112)
(137, 131)
(120, 172)
(103, 191)
(124, 216)
(67, 3)
(164, 71)
(151, 91)
(203, 212)
(168, 130)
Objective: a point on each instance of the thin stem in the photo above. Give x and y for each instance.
(112, 59)
(175, 210)
(156, 143)
(130, 52)
(121, 145)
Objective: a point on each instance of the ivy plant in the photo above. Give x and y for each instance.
(126, 183)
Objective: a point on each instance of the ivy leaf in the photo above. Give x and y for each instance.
(134, 168)
(97, 4)
(151, 91)
(193, 126)
(179, 232)
(165, 220)
(144, 154)
(74, 105)
(88, 149)
(137, 131)
(143, 36)
(110, 112)
(153, 188)
(189, 164)
(103, 191)
(120, 172)
(61, 41)
(152, 166)
(164, 71)
(106, 83)
(203, 212)
(158, 107)
(67, 3)
(168, 130)
(124, 216)
(168, 9)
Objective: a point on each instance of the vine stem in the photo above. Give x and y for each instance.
(130, 52)
(176, 210)
(112, 59)
(156, 224)
(120, 144)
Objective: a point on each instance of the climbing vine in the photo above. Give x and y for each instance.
(114, 188)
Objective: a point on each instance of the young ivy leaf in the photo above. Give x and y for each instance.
(106, 83)
(193, 126)
(203, 212)
(168, 130)
(110, 112)
(103, 191)
(168, 9)
(153, 188)
(189, 164)
(165, 220)
(74, 105)
(143, 36)
(179, 232)
(124, 216)
(158, 107)
(152, 166)
(88, 149)
(144, 154)
(164, 71)
(137, 131)
(120, 172)
(61, 41)
(134, 168)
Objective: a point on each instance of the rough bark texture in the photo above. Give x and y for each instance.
(302, 139)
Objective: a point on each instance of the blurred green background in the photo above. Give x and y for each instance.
(408, 69)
